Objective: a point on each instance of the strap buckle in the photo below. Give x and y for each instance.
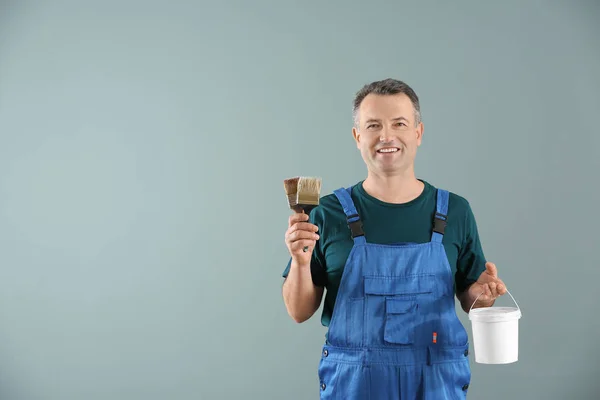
(355, 226)
(439, 223)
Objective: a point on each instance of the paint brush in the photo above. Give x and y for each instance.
(303, 194)
(291, 190)
(308, 194)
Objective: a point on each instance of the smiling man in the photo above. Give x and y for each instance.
(391, 251)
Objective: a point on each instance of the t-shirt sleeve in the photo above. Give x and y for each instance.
(471, 260)
(317, 263)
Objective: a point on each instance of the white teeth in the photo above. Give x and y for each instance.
(388, 150)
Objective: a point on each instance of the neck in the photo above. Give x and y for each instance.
(395, 189)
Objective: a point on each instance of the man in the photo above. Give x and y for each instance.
(392, 252)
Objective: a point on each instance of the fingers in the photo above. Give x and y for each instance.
(301, 236)
(501, 287)
(491, 291)
(299, 229)
(297, 217)
(303, 226)
(294, 235)
(496, 286)
(302, 230)
(492, 287)
(487, 293)
(491, 269)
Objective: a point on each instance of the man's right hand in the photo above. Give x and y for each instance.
(299, 235)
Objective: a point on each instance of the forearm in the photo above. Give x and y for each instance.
(302, 298)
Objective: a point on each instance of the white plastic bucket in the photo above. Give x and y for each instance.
(495, 333)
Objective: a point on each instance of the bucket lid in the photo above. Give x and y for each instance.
(495, 314)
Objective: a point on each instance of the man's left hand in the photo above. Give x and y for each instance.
(489, 286)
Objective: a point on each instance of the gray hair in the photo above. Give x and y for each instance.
(386, 87)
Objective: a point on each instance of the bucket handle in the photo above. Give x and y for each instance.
(483, 292)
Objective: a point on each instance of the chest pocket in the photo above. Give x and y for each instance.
(400, 285)
(395, 302)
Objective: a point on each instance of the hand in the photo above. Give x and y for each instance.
(489, 284)
(301, 238)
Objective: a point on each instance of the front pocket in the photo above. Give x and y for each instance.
(452, 378)
(343, 381)
(328, 373)
(400, 318)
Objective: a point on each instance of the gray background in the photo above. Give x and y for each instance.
(142, 212)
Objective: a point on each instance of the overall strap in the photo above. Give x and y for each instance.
(441, 216)
(354, 223)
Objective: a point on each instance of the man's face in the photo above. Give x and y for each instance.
(387, 136)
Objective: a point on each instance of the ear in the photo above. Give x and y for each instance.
(419, 133)
(356, 135)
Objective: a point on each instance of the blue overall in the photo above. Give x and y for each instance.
(394, 332)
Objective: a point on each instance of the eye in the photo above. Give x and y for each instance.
(371, 126)
(401, 124)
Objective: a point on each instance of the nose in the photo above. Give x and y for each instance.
(385, 137)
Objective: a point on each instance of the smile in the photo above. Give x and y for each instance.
(388, 150)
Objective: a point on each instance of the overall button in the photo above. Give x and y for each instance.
(323, 386)
(325, 353)
(466, 352)
(465, 387)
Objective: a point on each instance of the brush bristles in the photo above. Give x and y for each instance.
(291, 190)
(309, 191)
(292, 198)
(291, 185)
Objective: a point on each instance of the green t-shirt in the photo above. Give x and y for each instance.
(386, 223)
